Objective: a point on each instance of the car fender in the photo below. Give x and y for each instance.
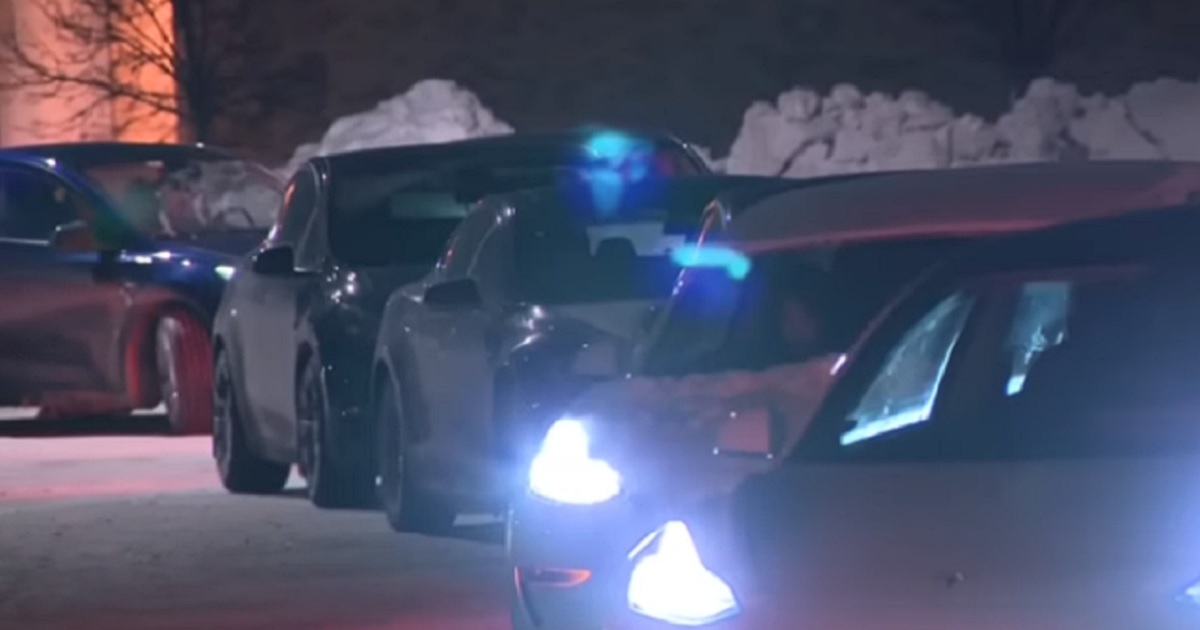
(135, 341)
(397, 358)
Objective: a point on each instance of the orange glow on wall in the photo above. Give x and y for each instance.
(27, 116)
(134, 121)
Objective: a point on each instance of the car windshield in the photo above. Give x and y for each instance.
(195, 195)
(406, 217)
(635, 158)
(575, 253)
(387, 210)
(792, 306)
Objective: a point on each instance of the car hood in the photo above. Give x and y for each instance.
(661, 432)
(224, 245)
(619, 320)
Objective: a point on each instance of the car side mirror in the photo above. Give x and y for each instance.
(275, 261)
(461, 293)
(755, 433)
(76, 237)
(599, 360)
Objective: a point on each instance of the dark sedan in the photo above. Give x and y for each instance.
(296, 332)
(475, 358)
(112, 261)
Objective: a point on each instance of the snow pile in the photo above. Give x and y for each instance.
(224, 193)
(434, 110)
(804, 134)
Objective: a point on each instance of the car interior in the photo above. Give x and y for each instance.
(1118, 377)
(406, 218)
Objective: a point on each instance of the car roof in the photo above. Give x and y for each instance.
(683, 198)
(973, 201)
(547, 142)
(695, 190)
(81, 154)
(738, 200)
(1163, 235)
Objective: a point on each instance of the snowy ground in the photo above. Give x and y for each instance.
(131, 532)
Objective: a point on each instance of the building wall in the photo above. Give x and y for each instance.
(65, 113)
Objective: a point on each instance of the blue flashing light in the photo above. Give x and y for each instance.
(735, 263)
(612, 147)
(614, 162)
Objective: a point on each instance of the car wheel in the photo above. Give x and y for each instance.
(183, 354)
(241, 470)
(333, 482)
(407, 509)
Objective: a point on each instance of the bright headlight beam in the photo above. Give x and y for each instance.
(672, 584)
(565, 472)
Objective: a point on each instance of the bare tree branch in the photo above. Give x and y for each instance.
(101, 52)
(1028, 37)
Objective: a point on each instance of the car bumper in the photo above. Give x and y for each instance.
(571, 564)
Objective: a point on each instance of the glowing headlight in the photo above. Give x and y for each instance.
(672, 584)
(225, 272)
(564, 471)
(1191, 595)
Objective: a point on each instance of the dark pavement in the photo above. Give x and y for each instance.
(102, 530)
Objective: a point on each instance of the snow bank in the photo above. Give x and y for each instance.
(232, 193)
(434, 110)
(806, 134)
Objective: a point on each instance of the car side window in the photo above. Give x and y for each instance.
(33, 204)
(1112, 374)
(902, 394)
(312, 244)
(464, 244)
(711, 223)
(299, 202)
(493, 266)
(1039, 325)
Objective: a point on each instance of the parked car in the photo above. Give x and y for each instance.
(731, 203)
(296, 331)
(534, 377)
(643, 472)
(113, 257)
(474, 357)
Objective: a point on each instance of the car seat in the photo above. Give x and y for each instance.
(615, 264)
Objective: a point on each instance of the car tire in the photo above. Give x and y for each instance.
(183, 361)
(333, 482)
(407, 508)
(241, 470)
